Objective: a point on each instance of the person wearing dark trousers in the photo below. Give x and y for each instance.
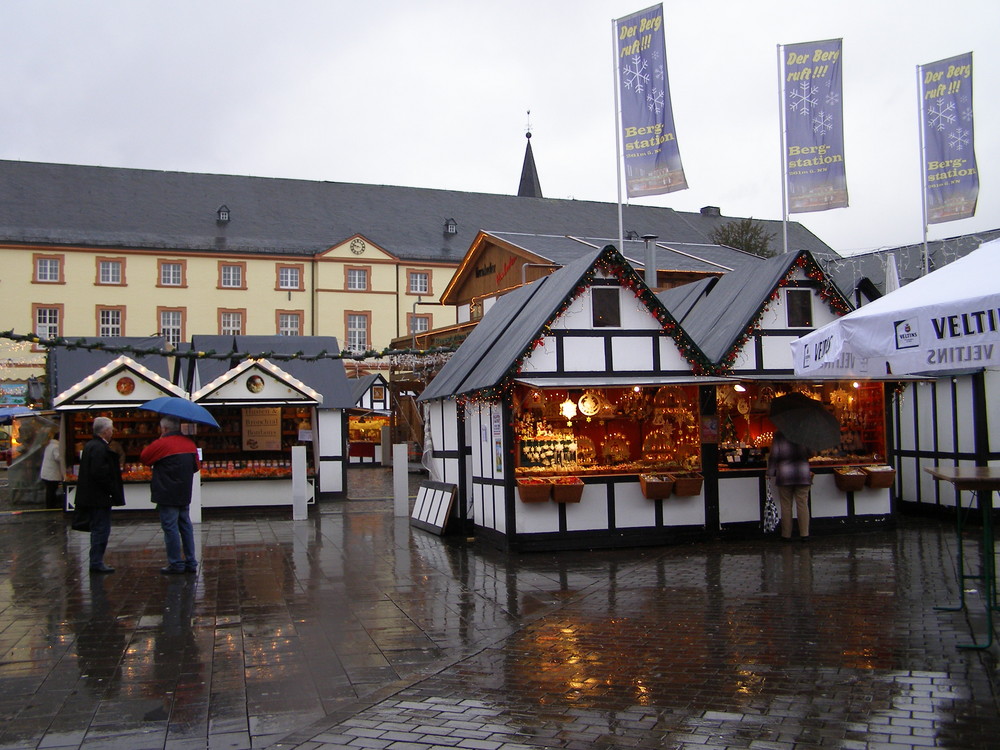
(174, 458)
(99, 488)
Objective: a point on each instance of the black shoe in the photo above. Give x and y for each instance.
(804, 539)
(168, 571)
(102, 568)
(192, 571)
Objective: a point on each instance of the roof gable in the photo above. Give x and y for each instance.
(497, 347)
(721, 314)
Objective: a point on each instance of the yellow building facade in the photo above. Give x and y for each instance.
(355, 290)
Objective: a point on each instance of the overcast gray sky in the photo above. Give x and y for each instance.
(434, 93)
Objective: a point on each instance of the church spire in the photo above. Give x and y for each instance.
(530, 186)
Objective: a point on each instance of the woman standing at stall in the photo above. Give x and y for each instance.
(99, 489)
(788, 465)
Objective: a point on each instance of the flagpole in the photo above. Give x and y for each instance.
(784, 161)
(923, 161)
(618, 134)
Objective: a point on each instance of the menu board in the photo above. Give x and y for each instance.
(262, 428)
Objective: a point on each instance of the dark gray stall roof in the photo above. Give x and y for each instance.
(510, 326)
(68, 366)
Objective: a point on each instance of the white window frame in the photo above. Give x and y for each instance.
(226, 320)
(229, 274)
(110, 272)
(109, 322)
(356, 275)
(289, 277)
(48, 270)
(420, 288)
(170, 330)
(357, 332)
(171, 274)
(285, 329)
(47, 329)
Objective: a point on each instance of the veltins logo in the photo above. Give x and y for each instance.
(907, 334)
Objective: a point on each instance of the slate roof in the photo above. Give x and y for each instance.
(670, 256)
(715, 312)
(360, 385)
(326, 375)
(507, 329)
(849, 272)
(53, 204)
(68, 366)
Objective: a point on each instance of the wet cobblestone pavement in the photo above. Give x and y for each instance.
(353, 630)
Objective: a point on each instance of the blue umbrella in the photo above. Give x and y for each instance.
(8, 412)
(181, 408)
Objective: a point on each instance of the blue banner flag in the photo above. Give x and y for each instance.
(813, 109)
(652, 159)
(951, 180)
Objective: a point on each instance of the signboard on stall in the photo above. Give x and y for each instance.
(262, 428)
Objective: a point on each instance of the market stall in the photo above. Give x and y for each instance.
(581, 434)
(113, 390)
(368, 419)
(262, 413)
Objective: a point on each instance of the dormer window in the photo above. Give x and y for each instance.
(450, 226)
(222, 215)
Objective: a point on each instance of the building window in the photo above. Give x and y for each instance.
(357, 279)
(172, 273)
(110, 321)
(290, 278)
(231, 322)
(232, 275)
(419, 282)
(606, 307)
(171, 325)
(48, 269)
(289, 323)
(48, 321)
(110, 271)
(798, 303)
(357, 332)
(419, 324)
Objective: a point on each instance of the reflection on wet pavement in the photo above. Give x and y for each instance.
(351, 629)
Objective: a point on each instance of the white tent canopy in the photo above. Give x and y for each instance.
(946, 321)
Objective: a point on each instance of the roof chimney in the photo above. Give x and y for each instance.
(711, 211)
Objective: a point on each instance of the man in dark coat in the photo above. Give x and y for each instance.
(174, 458)
(99, 488)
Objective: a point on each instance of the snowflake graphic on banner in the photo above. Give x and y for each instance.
(958, 139)
(802, 99)
(941, 114)
(654, 101)
(634, 75)
(822, 123)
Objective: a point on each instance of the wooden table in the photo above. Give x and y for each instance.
(982, 481)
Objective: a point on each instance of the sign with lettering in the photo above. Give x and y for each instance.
(262, 428)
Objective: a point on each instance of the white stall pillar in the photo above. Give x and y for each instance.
(400, 480)
(300, 511)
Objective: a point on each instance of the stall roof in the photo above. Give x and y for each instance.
(133, 384)
(623, 381)
(267, 384)
(360, 385)
(325, 374)
(504, 334)
(716, 312)
(69, 365)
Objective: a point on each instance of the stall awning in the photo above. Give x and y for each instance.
(619, 381)
(787, 377)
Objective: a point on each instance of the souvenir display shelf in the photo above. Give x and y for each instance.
(745, 432)
(366, 428)
(222, 450)
(579, 432)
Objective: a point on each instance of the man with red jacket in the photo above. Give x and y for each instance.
(174, 458)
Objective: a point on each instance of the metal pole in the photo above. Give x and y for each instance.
(923, 161)
(650, 260)
(618, 135)
(784, 160)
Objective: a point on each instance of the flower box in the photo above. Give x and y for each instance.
(849, 479)
(533, 490)
(656, 486)
(687, 484)
(567, 489)
(880, 476)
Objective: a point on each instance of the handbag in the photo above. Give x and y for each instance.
(771, 516)
(81, 519)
